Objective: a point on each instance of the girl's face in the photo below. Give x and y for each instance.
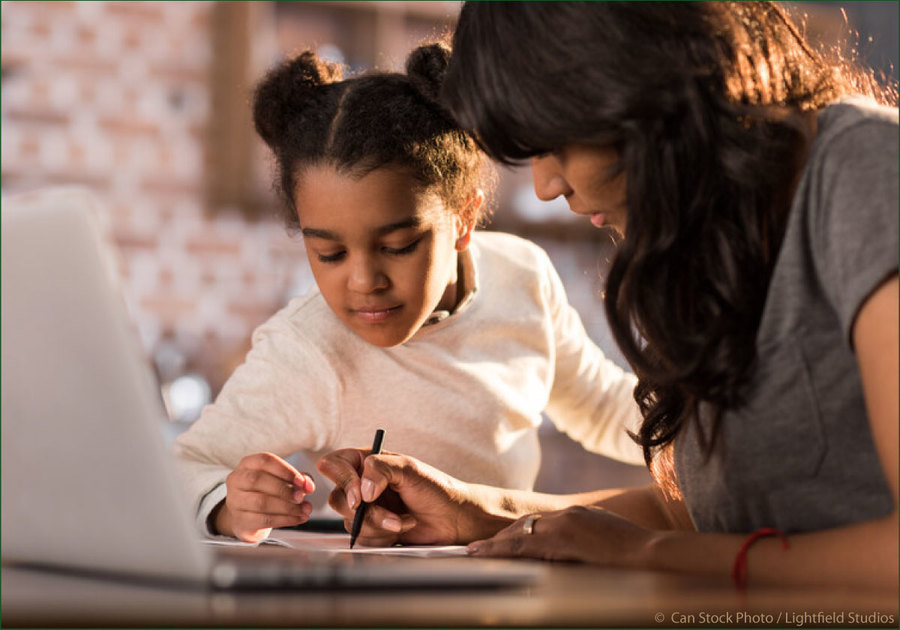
(384, 255)
(580, 173)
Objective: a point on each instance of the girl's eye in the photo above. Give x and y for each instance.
(331, 258)
(409, 249)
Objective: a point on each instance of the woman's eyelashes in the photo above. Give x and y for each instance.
(392, 251)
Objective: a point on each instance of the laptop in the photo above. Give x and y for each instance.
(88, 481)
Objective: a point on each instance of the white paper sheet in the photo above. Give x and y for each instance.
(340, 543)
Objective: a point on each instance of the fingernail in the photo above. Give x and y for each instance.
(368, 490)
(392, 524)
(299, 496)
(306, 484)
(473, 549)
(352, 498)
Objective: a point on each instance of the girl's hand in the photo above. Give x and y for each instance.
(411, 502)
(578, 533)
(263, 492)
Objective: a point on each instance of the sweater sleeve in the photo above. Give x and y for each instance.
(282, 399)
(591, 399)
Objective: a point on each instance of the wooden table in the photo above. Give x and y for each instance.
(571, 596)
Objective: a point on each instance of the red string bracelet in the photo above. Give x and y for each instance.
(739, 572)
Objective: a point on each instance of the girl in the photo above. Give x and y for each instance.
(451, 340)
(754, 292)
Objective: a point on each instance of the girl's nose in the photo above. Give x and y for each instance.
(365, 275)
(549, 182)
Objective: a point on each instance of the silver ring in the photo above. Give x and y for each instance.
(529, 523)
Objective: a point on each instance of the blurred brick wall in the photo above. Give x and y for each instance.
(114, 96)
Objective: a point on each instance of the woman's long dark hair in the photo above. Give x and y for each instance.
(704, 102)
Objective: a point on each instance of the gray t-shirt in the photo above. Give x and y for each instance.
(799, 455)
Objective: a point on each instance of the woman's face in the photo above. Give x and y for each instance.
(581, 174)
(383, 255)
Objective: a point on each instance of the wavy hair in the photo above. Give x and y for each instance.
(704, 103)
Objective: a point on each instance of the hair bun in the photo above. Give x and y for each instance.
(287, 87)
(426, 67)
(308, 70)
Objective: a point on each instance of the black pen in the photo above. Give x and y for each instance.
(361, 510)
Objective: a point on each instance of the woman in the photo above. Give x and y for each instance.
(754, 291)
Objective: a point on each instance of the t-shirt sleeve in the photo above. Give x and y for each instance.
(592, 398)
(282, 400)
(856, 222)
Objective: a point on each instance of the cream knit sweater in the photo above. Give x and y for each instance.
(464, 394)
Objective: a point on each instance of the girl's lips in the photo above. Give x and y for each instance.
(597, 219)
(376, 315)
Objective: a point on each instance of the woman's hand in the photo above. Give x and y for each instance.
(263, 492)
(578, 533)
(411, 502)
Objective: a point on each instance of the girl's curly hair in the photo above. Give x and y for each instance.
(310, 116)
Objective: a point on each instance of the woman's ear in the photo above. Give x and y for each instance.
(466, 219)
